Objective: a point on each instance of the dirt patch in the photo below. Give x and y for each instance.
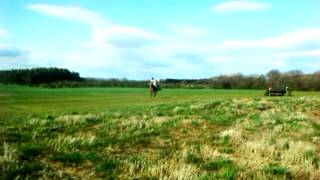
(315, 116)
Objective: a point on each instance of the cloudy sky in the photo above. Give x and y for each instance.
(138, 39)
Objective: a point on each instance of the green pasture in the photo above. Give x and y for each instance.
(16, 101)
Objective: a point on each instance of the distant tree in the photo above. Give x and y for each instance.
(56, 77)
(316, 81)
(37, 76)
(293, 79)
(274, 78)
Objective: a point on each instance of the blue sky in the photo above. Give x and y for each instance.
(138, 39)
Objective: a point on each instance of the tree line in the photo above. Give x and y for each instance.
(56, 78)
(37, 76)
(294, 79)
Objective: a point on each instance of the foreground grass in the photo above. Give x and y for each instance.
(225, 137)
(219, 139)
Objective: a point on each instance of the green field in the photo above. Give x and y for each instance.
(17, 100)
(20, 100)
(121, 133)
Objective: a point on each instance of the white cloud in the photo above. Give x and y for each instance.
(125, 51)
(293, 39)
(190, 31)
(3, 45)
(4, 33)
(288, 40)
(110, 46)
(278, 64)
(71, 13)
(124, 36)
(103, 31)
(240, 5)
(299, 54)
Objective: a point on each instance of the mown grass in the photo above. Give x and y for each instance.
(204, 136)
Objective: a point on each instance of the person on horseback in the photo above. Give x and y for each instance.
(154, 87)
(153, 84)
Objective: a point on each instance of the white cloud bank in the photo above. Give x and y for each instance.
(123, 36)
(287, 40)
(300, 54)
(70, 12)
(240, 5)
(102, 29)
(190, 31)
(4, 33)
(114, 50)
(110, 45)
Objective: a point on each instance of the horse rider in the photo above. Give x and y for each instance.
(153, 84)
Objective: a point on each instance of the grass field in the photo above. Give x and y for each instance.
(21, 100)
(121, 133)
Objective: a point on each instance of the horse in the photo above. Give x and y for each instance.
(154, 89)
